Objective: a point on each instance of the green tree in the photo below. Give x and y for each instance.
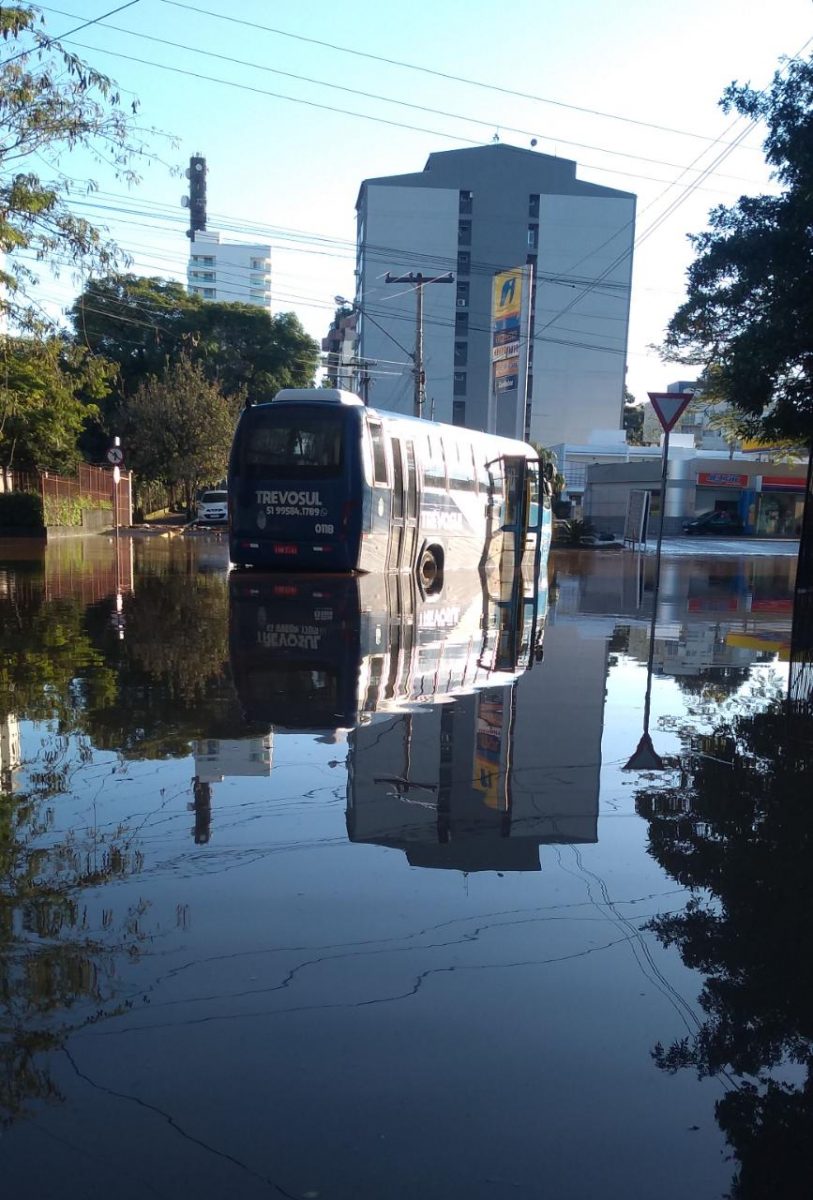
(634, 422)
(52, 104)
(139, 323)
(178, 428)
(49, 391)
(548, 458)
(749, 310)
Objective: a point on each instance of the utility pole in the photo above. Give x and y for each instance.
(418, 280)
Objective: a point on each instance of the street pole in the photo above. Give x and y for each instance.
(418, 280)
(419, 372)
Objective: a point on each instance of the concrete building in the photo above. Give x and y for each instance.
(340, 347)
(231, 271)
(767, 497)
(475, 212)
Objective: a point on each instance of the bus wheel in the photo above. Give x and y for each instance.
(429, 571)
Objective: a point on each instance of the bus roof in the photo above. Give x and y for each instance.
(316, 396)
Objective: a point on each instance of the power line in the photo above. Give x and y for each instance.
(394, 62)
(44, 39)
(484, 122)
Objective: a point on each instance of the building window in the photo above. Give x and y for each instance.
(205, 260)
(461, 354)
(463, 262)
(208, 293)
(533, 206)
(461, 324)
(466, 199)
(458, 412)
(460, 383)
(533, 237)
(462, 295)
(464, 233)
(260, 264)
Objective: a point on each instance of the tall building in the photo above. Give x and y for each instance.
(234, 271)
(340, 347)
(475, 212)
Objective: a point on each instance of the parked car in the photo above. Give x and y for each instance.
(725, 524)
(212, 507)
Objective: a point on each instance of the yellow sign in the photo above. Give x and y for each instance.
(506, 296)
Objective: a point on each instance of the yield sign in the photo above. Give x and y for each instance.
(670, 406)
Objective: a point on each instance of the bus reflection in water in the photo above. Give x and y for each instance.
(427, 685)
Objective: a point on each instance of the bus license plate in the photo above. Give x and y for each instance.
(284, 548)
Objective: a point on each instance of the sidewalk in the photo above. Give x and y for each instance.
(734, 547)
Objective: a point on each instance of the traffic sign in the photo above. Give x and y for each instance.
(116, 474)
(670, 406)
(115, 455)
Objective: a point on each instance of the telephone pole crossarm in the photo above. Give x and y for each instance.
(418, 280)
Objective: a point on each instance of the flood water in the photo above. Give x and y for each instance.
(325, 889)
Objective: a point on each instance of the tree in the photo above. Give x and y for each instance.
(178, 428)
(139, 323)
(52, 104)
(634, 422)
(49, 391)
(749, 309)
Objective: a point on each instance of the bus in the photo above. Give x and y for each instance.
(320, 482)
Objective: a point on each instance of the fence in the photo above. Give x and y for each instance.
(91, 488)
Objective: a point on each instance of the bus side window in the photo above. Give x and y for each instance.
(435, 473)
(379, 453)
(461, 468)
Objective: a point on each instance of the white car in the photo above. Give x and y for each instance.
(212, 508)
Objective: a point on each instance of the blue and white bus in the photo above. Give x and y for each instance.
(320, 482)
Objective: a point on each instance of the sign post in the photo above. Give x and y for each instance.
(115, 456)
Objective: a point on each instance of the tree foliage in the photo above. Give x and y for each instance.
(52, 104)
(749, 311)
(737, 831)
(139, 323)
(178, 428)
(49, 390)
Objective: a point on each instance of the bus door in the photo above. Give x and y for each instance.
(517, 504)
(404, 516)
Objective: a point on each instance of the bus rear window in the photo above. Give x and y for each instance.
(293, 445)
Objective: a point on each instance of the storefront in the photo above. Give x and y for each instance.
(724, 491)
(780, 504)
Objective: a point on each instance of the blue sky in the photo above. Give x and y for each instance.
(291, 170)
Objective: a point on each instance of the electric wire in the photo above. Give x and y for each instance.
(491, 87)
(483, 122)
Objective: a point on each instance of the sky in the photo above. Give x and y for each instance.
(272, 111)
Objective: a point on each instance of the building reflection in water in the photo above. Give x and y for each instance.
(440, 760)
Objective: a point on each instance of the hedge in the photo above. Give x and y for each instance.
(21, 509)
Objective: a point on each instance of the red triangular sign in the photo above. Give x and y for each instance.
(670, 406)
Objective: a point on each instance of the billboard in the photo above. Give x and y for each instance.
(510, 330)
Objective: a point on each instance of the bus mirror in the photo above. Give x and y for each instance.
(549, 472)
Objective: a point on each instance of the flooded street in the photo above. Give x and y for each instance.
(327, 889)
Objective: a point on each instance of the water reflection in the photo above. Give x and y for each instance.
(216, 949)
(437, 780)
(735, 827)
